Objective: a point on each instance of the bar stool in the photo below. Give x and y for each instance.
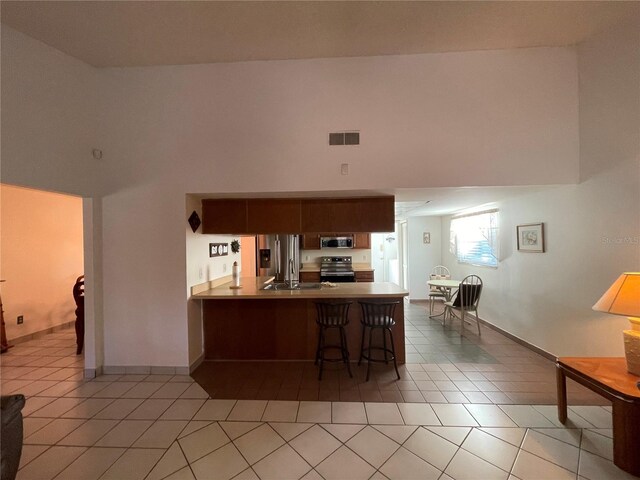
(332, 315)
(378, 316)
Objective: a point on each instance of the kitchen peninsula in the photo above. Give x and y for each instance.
(252, 323)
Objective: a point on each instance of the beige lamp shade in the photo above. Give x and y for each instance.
(623, 297)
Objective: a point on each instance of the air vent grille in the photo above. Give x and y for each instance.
(344, 138)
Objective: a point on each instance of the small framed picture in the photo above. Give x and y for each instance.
(530, 237)
(218, 249)
(426, 237)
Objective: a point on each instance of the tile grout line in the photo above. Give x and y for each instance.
(579, 454)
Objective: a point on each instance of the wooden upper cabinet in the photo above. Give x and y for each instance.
(378, 213)
(310, 241)
(366, 214)
(295, 215)
(273, 215)
(362, 240)
(226, 216)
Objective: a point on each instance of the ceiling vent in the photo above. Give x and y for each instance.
(344, 138)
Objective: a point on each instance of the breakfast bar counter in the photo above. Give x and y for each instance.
(252, 287)
(251, 323)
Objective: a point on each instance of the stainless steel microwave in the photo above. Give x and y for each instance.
(336, 242)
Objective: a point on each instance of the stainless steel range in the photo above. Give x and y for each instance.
(337, 269)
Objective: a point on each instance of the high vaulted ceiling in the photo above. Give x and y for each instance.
(109, 33)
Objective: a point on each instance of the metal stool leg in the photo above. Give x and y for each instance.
(345, 350)
(393, 349)
(361, 345)
(321, 345)
(318, 346)
(384, 344)
(369, 354)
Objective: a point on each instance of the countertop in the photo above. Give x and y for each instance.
(251, 289)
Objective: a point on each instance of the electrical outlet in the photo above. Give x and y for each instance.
(224, 267)
(20, 319)
(200, 273)
(344, 169)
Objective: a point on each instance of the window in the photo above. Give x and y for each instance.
(474, 238)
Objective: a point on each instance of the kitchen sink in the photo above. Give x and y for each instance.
(286, 286)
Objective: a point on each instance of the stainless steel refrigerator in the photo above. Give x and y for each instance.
(278, 256)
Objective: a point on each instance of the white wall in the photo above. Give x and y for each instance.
(49, 117)
(592, 229)
(425, 120)
(249, 127)
(202, 268)
(422, 257)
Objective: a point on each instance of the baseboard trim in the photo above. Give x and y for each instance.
(524, 343)
(90, 373)
(198, 361)
(143, 370)
(41, 333)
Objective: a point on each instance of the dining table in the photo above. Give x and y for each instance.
(448, 287)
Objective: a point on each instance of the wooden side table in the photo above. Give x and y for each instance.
(608, 377)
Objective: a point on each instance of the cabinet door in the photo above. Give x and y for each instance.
(225, 216)
(362, 240)
(273, 215)
(367, 214)
(316, 215)
(310, 241)
(378, 214)
(364, 276)
(313, 277)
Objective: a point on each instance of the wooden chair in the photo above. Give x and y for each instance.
(78, 297)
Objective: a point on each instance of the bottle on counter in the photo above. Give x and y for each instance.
(235, 274)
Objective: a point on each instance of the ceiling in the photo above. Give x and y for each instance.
(141, 33)
(417, 202)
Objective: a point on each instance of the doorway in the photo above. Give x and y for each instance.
(403, 254)
(42, 256)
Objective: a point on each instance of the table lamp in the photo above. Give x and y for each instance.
(623, 298)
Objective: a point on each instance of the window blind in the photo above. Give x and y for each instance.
(474, 238)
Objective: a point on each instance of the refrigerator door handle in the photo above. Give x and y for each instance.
(277, 256)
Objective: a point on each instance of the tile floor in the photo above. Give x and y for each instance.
(442, 367)
(166, 427)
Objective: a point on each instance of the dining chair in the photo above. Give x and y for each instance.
(466, 301)
(439, 272)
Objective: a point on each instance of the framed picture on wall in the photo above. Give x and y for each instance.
(218, 249)
(530, 237)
